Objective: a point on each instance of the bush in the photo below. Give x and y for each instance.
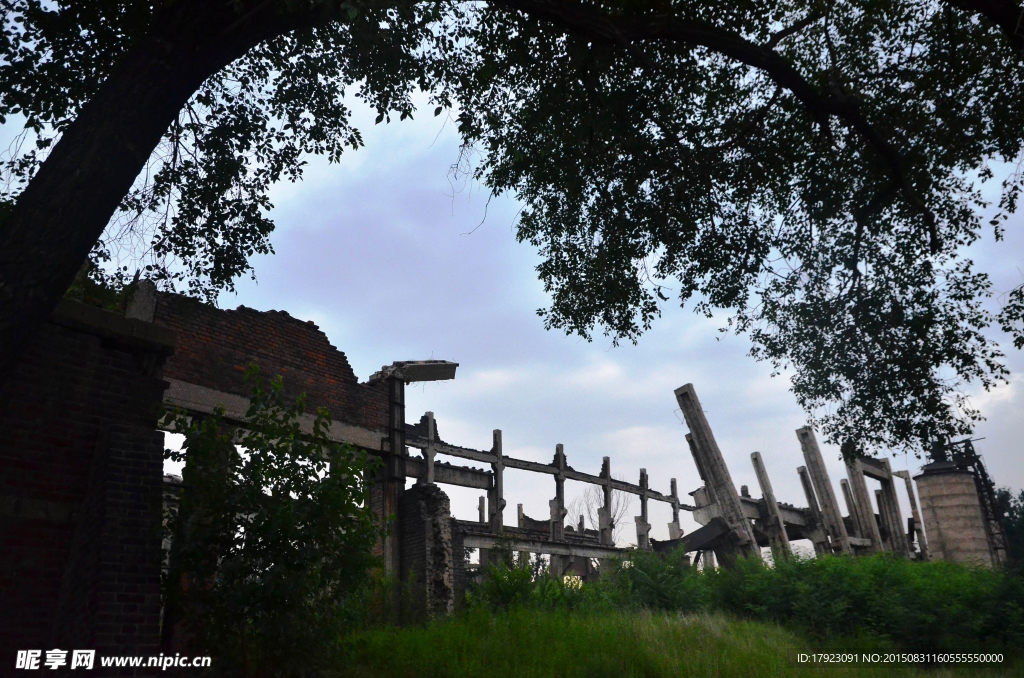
(271, 545)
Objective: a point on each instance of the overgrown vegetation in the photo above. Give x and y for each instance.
(524, 643)
(919, 607)
(271, 558)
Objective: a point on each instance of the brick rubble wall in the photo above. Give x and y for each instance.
(215, 346)
(427, 565)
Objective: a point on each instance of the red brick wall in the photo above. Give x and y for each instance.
(215, 347)
(80, 489)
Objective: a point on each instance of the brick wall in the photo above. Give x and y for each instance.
(427, 569)
(80, 487)
(215, 346)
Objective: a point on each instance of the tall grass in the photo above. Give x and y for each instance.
(920, 607)
(524, 642)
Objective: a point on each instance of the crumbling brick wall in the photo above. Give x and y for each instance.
(427, 568)
(215, 346)
(80, 487)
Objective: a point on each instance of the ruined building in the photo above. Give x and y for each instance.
(81, 482)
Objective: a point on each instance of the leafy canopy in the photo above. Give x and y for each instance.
(813, 169)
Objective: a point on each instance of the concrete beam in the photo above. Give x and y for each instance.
(719, 479)
(202, 400)
(481, 541)
(446, 474)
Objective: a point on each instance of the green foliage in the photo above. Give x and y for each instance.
(271, 552)
(534, 643)
(925, 607)
(921, 607)
(660, 583)
(651, 165)
(199, 210)
(1013, 524)
(814, 170)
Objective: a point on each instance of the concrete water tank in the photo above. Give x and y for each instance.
(952, 516)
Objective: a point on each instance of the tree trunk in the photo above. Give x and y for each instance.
(66, 206)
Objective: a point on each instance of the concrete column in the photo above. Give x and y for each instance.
(698, 461)
(883, 517)
(855, 472)
(524, 556)
(777, 527)
(819, 536)
(604, 514)
(851, 508)
(496, 495)
(823, 489)
(894, 517)
(706, 451)
(485, 554)
(674, 531)
(391, 483)
(643, 528)
(922, 542)
(557, 505)
(429, 453)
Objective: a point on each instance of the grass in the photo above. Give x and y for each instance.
(528, 642)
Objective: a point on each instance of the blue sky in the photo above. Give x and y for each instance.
(393, 262)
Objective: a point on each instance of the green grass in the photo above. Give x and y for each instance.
(526, 642)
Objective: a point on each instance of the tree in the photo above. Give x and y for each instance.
(814, 169)
(272, 542)
(1012, 509)
(585, 507)
(811, 167)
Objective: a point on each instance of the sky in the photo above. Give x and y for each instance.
(394, 261)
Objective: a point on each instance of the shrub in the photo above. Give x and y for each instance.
(271, 552)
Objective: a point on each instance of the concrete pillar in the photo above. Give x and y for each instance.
(718, 479)
(883, 518)
(485, 554)
(427, 566)
(819, 537)
(674, 531)
(894, 517)
(643, 528)
(823, 490)
(952, 515)
(388, 486)
(776, 526)
(604, 513)
(851, 508)
(698, 461)
(557, 505)
(922, 542)
(496, 495)
(524, 556)
(428, 452)
(855, 473)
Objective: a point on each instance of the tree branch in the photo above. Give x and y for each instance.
(588, 21)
